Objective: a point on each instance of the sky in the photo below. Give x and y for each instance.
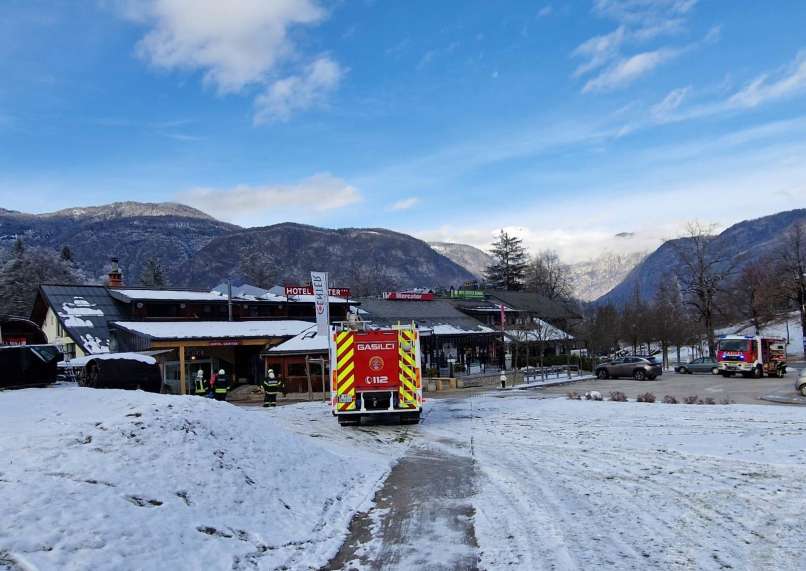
(584, 127)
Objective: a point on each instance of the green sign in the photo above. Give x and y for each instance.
(467, 294)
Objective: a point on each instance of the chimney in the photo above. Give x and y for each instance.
(115, 277)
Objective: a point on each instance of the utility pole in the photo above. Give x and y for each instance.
(229, 300)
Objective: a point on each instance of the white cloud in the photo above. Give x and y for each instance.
(763, 89)
(235, 44)
(787, 81)
(285, 97)
(598, 50)
(639, 21)
(405, 203)
(243, 203)
(670, 103)
(627, 70)
(545, 11)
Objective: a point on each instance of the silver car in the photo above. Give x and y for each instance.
(701, 365)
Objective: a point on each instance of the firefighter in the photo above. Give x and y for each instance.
(199, 384)
(271, 386)
(221, 385)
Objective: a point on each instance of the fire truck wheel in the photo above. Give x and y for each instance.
(352, 420)
(409, 417)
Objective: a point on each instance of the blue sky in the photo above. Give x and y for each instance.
(565, 122)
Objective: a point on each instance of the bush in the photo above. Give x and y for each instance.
(573, 395)
(646, 397)
(431, 372)
(691, 399)
(669, 399)
(708, 400)
(593, 395)
(459, 368)
(618, 396)
(726, 400)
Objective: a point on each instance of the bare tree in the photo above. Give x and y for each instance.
(704, 270)
(756, 295)
(793, 264)
(548, 276)
(602, 330)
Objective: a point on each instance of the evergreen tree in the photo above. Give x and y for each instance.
(25, 271)
(509, 268)
(67, 254)
(153, 275)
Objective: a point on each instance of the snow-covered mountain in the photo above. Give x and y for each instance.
(594, 278)
(472, 259)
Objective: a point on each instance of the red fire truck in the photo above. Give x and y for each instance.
(376, 372)
(751, 356)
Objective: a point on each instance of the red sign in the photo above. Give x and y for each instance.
(376, 360)
(291, 291)
(408, 296)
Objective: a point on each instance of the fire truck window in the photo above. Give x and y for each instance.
(733, 345)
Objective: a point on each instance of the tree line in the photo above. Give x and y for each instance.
(24, 268)
(710, 287)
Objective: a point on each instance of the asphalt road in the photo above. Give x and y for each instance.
(736, 390)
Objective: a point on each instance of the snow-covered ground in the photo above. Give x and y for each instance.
(107, 479)
(582, 485)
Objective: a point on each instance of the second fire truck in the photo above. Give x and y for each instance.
(751, 356)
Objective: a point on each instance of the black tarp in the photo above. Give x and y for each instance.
(121, 374)
(28, 365)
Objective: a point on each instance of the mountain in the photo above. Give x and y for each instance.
(365, 259)
(131, 231)
(594, 278)
(743, 243)
(470, 258)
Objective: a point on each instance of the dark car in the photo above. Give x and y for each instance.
(701, 365)
(639, 368)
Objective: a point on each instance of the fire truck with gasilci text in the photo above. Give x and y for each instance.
(751, 356)
(375, 372)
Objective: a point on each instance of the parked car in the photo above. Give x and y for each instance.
(800, 383)
(701, 365)
(639, 368)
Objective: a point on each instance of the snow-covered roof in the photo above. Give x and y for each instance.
(214, 329)
(84, 312)
(542, 331)
(311, 299)
(81, 361)
(309, 341)
(128, 295)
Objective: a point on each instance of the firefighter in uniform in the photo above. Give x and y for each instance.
(221, 386)
(200, 386)
(271, 386)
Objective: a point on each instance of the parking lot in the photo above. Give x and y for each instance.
(737, 389)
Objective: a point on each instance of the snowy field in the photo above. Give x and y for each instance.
(107, 479)
(581, 485)
(103, 479)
